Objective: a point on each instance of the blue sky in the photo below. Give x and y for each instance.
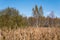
(25, 6)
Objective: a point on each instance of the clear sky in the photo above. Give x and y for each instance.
(25, 6)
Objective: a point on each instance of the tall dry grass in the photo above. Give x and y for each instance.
(31, 33)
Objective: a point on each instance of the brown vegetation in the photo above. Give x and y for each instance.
(14, 26)
(31, 33)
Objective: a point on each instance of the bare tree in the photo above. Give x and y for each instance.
(37, 13)
(51, 18)
(40, 11)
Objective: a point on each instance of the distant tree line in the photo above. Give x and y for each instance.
(10, 17)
